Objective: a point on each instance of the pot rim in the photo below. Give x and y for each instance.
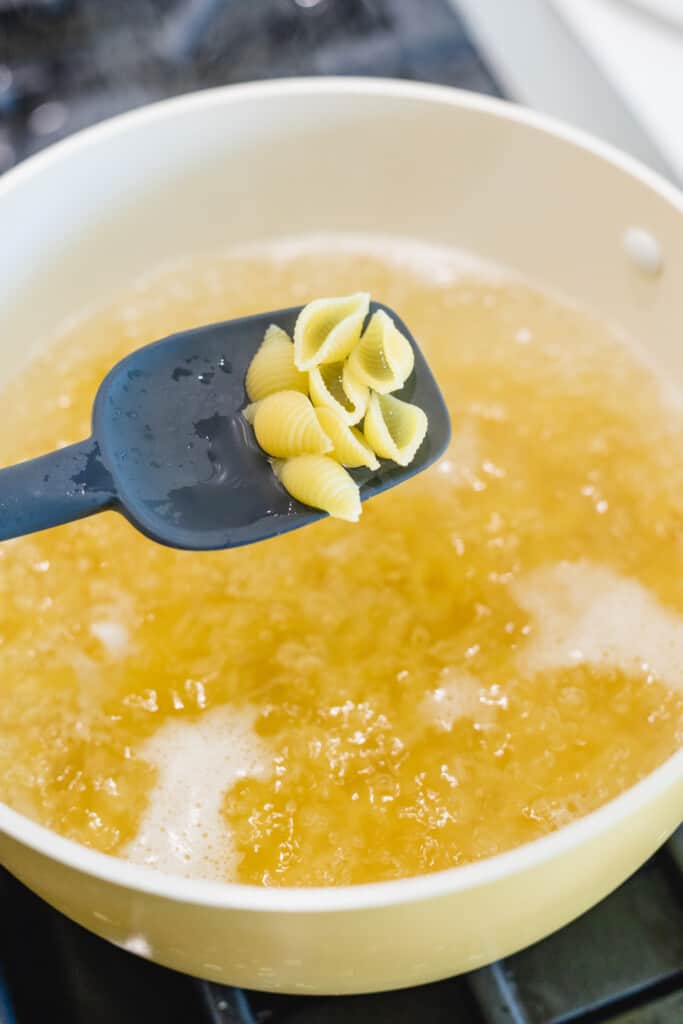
(236, 896)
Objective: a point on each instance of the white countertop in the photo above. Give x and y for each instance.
(612, 67)
(638, 44)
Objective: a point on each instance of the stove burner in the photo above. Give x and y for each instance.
(65, 64)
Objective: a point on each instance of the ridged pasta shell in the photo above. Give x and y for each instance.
(383, 359)
(328, 384)
(249, 412)
(327, 329)
(394, 429)
(350, 447)
(357, 392)
(285, 424)
(319, 481)
(272, 368)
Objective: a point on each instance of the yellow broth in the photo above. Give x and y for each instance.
(455, 675)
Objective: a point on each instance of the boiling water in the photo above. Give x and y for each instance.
(183, 830)
(494, 650)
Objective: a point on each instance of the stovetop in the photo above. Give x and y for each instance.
(622, 963)
(65, 64)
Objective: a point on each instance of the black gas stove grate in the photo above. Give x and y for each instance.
(65, 64)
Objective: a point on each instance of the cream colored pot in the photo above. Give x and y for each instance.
(258, 161)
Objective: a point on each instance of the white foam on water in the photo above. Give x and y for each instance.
(114, 637)
(183, 831)
(442, 264)
(588, 614)
(456, 696)
(439, 264)
(461, 695)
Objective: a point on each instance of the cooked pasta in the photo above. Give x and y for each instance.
(285, 424)
(319, 481)
(331, 386)
(350, 447)
(394, 429)
(305, 397)
(328, 329)
(383, 358)
(272, 368)
(249, 412)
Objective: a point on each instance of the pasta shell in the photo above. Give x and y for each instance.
(350, 447)
(327, 329)
(285, 424)
(383, 359)
(328, 385)
(272, 368)
(319, 481)
(394, 429)
(249, 412)
(356, 391)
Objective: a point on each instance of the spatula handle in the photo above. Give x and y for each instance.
(67, 484)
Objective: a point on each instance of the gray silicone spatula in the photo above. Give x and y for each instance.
(171, 451)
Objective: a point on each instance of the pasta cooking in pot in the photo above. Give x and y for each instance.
(494, 650)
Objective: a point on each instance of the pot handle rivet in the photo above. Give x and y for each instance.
(643, 250)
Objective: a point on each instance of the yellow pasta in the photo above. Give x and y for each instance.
(348, 377)
(249, 412)
(328, 329)
(383, 358)
(394, 429)
(319, 481)
(285, 424)
(350, 447)
(272, 368)
(355, 390)
(332, 386)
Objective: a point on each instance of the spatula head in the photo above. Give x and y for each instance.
(184, 461)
